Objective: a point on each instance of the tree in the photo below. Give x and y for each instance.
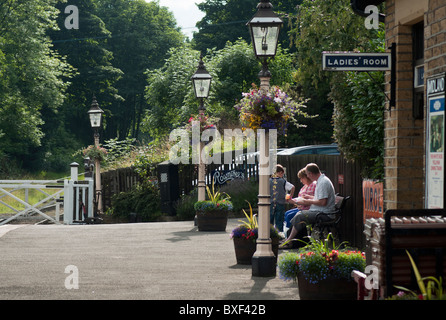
(358, 116)
(233, 69)
(32, 77)
(323, 25)
(167, 89)
(226, 21)
(142, 34)
(85, 49)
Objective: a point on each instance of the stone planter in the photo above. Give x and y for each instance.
(212, 220)
(327, 289)
(245, 249)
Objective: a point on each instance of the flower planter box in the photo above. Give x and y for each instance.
(245, 249)
(327, 289)
(212, 220)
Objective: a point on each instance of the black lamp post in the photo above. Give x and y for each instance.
(264, 27)
(202, 85)
(95, 114)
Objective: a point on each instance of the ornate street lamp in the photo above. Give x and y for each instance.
(202, 85)
(264, 27)
(95, 114)
(202, 82)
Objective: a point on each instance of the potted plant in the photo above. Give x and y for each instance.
(322, 271)
(433, 289)
(245, 236)
(212, 214)
(271, 110)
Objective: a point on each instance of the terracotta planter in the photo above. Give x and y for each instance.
(245, 249)
(327, 289)
(212, 220)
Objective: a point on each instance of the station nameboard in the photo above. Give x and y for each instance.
(355, 61)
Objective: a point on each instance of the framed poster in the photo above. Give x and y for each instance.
(435, 125)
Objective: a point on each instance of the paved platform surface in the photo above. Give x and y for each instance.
(150, 261)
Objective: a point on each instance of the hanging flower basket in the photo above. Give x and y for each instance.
(272, 110)
(206, 122)
(96, 153)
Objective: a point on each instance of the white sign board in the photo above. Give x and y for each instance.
(356, 61)
(435, 123)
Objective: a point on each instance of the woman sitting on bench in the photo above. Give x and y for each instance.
(307, 190)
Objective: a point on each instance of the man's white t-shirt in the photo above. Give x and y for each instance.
(324, 190)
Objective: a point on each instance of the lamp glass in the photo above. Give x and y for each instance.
(95, 119)
(265, 39)
(202, 86)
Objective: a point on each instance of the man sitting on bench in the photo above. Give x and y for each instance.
(323, 201)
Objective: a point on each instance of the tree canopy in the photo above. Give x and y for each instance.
(132, 56)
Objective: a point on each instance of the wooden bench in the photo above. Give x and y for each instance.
(322, 227)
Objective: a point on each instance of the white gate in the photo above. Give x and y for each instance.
(77, 198)
(8, 187)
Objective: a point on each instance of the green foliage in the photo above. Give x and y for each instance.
(185, 206)
(431, 290)
(32, 76)
(214, 195)
(320, 260)
(252, 219)
(241, 193)
(86, 50)
(144, 200)
(346, 263)
(142, 34)
(218, 200)
(358, 117)
(323, 25)
(226, 21)
(118, 150)
(49, 73)
(234, 68)
(168, 88)
(149, 157)
(206, 206)
(288, 268)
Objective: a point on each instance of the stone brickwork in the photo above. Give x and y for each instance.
(404, 135)
(435, 38)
